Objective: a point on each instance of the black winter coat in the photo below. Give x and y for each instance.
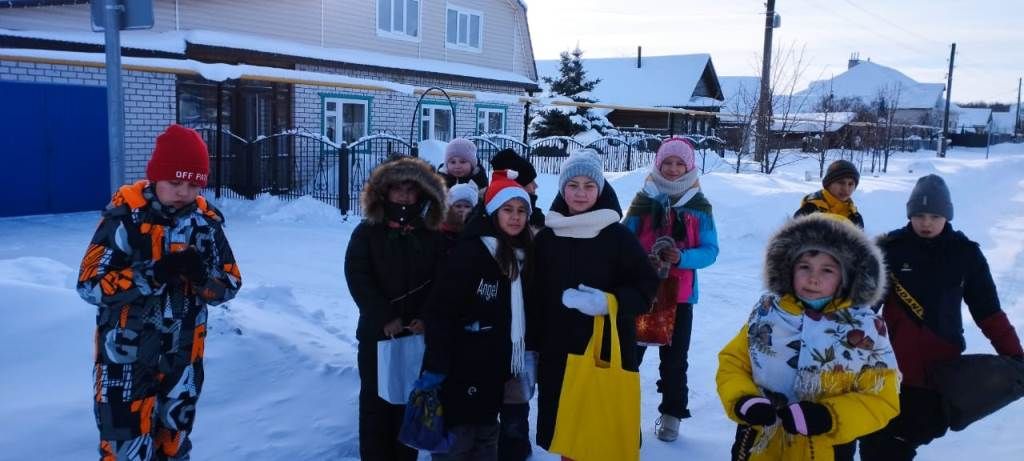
(390, 274)
(929, 280)
(478, 176)
(469, 334)
(614, 262)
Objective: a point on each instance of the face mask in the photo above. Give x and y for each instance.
(816, 304)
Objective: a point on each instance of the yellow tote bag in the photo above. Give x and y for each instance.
(599, 406)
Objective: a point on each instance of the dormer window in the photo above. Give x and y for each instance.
(464, 29)
(399, 19)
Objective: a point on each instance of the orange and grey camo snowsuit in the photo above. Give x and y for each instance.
(150, 335)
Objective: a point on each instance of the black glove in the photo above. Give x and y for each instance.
(171, 266)
(755, 411)
(806, 418)
(192, 266)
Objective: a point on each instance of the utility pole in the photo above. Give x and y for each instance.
(115, 107)
(763, 102)
(1016, 120)
(949, 92)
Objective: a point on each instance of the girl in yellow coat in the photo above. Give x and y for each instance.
(812, 370)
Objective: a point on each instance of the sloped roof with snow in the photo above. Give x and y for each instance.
(970, 117)
(811, 122)
(177, 41)
(740, 93)
(1002, 122)
(867, 80)
(687, 80)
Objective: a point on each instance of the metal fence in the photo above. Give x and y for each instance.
(295, 163)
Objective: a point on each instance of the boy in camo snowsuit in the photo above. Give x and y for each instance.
(158, 258)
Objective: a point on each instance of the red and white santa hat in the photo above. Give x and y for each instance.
(503, 188)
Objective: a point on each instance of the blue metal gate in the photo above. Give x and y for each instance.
(53, 148)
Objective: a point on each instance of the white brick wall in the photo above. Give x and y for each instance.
(149, 101)
(393, 112)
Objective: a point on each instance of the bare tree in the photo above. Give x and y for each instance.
(788, 68)
(742, 112)
(887, 102)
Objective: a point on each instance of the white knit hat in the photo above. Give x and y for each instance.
(463, 192)
(586, 162)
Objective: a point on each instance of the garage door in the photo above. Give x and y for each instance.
(53, 148)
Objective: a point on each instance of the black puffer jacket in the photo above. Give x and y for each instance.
(390, 265)
(479, 177)
(469, 330)
(612, 261)
(930, 279)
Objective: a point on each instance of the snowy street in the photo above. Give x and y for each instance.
(281, 378)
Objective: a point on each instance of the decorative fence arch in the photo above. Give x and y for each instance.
(546, 154)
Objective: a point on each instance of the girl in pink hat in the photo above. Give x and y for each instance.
(672, 219)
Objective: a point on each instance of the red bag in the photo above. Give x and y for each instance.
(655, 327)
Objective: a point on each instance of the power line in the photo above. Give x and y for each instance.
(896, 25)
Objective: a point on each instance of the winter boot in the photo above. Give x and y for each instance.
(667, 428)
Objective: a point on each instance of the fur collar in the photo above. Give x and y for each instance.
(431, 185)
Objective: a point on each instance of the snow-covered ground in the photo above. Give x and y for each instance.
(281, 379)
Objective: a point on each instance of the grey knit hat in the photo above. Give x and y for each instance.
(930, 195)
(840, 169)
(585, 162)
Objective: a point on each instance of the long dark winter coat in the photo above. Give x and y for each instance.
(468, 330)
(390, 266)
(612, 261)
(929, 279)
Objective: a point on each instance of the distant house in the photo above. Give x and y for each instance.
(915, 102)
(341, 70)
(972, 120)
(678, 81)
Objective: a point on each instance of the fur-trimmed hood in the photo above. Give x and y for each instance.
(861, 259)
(432, 190)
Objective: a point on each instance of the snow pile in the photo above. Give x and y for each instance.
(281, 379)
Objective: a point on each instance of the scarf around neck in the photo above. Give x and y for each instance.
(518, 326)
(583, 225)
(678, 190)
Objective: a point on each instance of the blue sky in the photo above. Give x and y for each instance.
(912, 36)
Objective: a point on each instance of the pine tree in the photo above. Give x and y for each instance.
(572, 83)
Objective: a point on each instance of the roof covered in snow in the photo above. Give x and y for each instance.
(1002, 122)
(740, 96)
(867, 80)
(969, 117)
(661, 81)
(177, 41)
(811, 122)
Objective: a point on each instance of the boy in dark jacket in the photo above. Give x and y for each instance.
(158, 258)
(835, 197)
(390, 266)
(932, 271)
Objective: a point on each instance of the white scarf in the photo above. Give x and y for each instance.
(581, 226)
(518, 326)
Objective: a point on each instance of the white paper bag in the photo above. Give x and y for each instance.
(398, 365)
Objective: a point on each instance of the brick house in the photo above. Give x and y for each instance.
(341, 70)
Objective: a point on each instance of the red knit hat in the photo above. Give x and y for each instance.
(502, 189)
(180, 155)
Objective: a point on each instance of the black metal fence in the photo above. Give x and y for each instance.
(295, 163)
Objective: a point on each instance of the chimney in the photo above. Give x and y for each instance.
(854, 60)
(639, 62)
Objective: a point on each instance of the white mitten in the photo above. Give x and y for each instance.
(587, 300)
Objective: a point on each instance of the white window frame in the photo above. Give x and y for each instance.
(403, 35)
(460, 45)
(432, 108)
(339, 116)
(485, 111)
